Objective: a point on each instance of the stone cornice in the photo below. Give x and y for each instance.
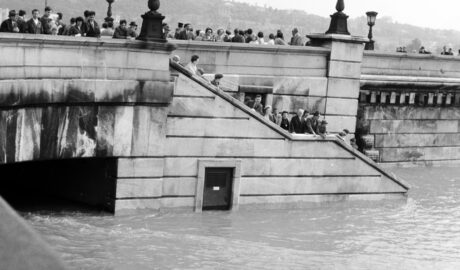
(227, 46)
(414, 56)
(339, 38)
(42, 40)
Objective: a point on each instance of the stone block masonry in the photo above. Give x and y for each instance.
(410, 106)
(81, 101)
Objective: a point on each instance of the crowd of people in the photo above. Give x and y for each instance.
(186, 32)
(423, 50)
(53, 24)
(303, 122)
(87, 26)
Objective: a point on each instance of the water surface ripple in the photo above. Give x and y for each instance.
(422, 233)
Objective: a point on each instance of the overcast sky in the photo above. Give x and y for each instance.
(442, 14)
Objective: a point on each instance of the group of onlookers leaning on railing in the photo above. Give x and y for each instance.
(186, 32)
(52, 24)
(303, 123)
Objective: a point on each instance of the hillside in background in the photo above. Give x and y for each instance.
(228, 14)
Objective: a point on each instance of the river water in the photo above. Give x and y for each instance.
(422, 233)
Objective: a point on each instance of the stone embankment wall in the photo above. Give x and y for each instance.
(290, 78)
(276, 169)
(410, 105)
(64, 98)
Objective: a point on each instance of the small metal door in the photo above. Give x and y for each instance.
(217, 189)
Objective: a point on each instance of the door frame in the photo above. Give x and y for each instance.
(236, 180)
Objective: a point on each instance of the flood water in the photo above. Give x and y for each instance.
(422, 233)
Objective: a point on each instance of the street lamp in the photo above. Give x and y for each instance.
(109, 11)
(371, 18)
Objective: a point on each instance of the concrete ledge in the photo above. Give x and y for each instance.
(257, 117)
(411, 65)
(21, 247)
(415, 84)
(216, 46)
(34, 40)
(305, 201)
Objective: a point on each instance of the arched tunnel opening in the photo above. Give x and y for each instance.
(60, 185)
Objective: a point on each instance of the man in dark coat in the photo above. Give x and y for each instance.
(121, 32)
(180, 28)
(60, 24)
(285, 121)
(132, 30)
(297, 125)
(296, 39)
(10, 25)
(34, 25)
(22, 23)
(238, 38)
(258, 106)
(45, 20)
(76, 30)
(90, 27)
(185, 33)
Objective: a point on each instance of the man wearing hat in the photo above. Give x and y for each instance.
(10, 25)
(91, 27)
(216, 81)
(132, 30)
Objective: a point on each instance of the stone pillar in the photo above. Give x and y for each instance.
(344, 73)
(152, 24)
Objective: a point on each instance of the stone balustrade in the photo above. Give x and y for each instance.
(410, 98)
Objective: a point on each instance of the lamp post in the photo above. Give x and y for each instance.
(109, 11)
(339, 19)
(371, 18)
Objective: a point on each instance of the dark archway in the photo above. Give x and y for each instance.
(60, 184)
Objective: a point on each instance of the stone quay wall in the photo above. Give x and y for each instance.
(410, 107)
(65, 98)
(408, 103)
(290, 78)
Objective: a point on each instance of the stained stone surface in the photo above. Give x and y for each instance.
(415, 134)
(121, 102)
